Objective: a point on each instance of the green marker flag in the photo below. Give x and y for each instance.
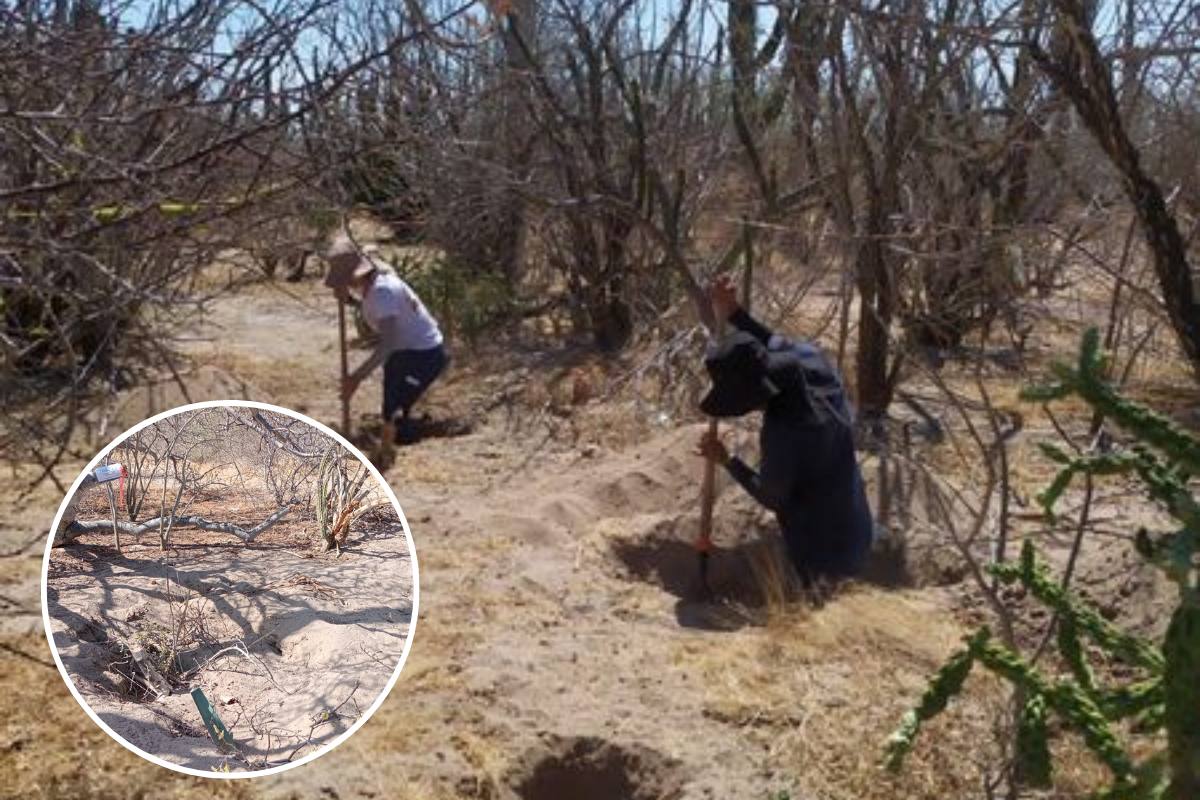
(216, 729)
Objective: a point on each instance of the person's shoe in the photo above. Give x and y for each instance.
(384, 454)
(384, 457)
(407, 431)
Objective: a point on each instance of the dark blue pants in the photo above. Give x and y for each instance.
(829, 540)
(406, 376)
(827, 527)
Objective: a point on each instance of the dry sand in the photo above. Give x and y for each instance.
(559, 653)
(323, 634)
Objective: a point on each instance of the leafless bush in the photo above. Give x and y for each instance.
(578, 148)
(189, 457)
(142, 143)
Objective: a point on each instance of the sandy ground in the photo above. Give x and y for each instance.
(576, 579)
(322, 632)
(560, 651)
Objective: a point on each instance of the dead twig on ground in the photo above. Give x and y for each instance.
(329, 716)
(375, 658)
(240, 649)
(318, 589)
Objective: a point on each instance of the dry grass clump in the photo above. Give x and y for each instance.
(822, 689)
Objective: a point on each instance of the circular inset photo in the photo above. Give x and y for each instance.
(230, 589)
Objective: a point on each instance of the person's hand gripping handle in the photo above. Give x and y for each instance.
(344, 396)
(722, 294)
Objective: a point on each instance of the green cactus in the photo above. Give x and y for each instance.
(1087, 381)
(1181, 684)
(1108, 464)
(1033, 745)
(1067, 699)
(1144, 699)
(1071, 648)
(323, 520)
(1036, 578)
(946, 684)
(1167, 696)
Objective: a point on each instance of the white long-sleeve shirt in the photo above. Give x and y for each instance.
(392, 308)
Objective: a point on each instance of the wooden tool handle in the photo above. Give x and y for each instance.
(708, 488)
(708, 485)
(708, 482)
(345, 366)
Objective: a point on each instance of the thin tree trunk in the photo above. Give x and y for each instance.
(1077, 67)
(245, 534)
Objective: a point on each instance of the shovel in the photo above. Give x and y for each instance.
(708, 481)
(345, 366)
(708, 496)
(703, 542)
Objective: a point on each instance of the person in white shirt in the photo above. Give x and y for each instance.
(410, 348)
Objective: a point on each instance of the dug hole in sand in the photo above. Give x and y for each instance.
(567, 655)
(554, 659)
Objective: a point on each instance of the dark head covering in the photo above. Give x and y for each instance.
(739, 370)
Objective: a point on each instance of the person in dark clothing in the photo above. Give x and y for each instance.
(808, 474)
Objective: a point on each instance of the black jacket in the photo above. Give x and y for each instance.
(808, 473)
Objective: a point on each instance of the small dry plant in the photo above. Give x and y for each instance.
(342, 496)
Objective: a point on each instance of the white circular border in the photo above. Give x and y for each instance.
(412, 625)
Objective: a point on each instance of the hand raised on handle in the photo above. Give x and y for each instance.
(712, 448)
(722, 294)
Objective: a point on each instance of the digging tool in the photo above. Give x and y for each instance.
(707, 497)
(708, 481)
(708, 491)
(345, 366)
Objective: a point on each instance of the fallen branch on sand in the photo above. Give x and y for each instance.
(318, 590)
(242, 650)
(329, 717)
(246, 535)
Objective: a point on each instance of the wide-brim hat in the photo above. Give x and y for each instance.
(346, 263)
(739, 366)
